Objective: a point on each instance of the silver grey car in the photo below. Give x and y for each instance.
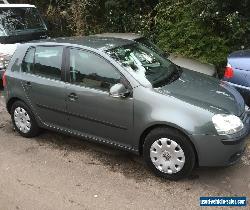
(122, 93)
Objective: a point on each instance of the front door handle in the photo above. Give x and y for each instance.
(72, 97)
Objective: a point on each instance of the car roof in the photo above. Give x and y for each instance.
(16, 5)
(100, 43)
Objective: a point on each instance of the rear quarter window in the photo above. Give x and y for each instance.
(28, 61)
(44, 61)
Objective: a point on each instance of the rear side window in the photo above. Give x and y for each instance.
(28, 61)
(48, 61)
(44, 61)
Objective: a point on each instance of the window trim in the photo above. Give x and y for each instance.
(67, 68)
(62, 67)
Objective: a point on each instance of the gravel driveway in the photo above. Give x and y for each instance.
(55, 171)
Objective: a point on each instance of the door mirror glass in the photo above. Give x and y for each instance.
(119, 91)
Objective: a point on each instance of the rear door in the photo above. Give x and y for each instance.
(44, 84)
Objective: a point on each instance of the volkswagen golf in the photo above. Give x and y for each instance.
(121, 93)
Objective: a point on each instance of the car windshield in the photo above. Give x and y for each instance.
(145, 63)
(151, 45)
(15, 21)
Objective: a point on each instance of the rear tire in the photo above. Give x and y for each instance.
(24, 120)
(169, 153)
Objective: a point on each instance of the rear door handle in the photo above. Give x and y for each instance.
(72, 97)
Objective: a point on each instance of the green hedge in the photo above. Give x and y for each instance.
(204, 29)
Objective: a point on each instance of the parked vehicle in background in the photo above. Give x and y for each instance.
(122, 93)
(237, 73)
(4, 2)
(18, 23)
(179, 60)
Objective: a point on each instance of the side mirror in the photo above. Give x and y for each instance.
(119, 91)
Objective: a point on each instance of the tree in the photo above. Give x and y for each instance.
(203, 29)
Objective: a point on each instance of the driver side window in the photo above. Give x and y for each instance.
(90, 70)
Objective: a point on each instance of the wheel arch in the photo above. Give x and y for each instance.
(152, 127)
(11, 101)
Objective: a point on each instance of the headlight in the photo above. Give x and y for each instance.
(227, 124)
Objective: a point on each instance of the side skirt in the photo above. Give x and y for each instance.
(91, 138)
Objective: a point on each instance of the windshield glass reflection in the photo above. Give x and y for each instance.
(145, 63)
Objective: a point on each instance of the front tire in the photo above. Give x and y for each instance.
(24, 120)
(168, 153)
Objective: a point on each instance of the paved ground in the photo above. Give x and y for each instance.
(54, 171)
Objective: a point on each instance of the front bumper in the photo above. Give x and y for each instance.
(216, 150)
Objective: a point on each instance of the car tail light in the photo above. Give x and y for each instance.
(4, 80)
(229, 72)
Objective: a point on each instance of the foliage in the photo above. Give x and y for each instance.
(180, 32)
(203, 29)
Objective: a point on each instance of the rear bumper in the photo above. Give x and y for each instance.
(215, 150)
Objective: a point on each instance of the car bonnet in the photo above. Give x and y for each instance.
(206, 92)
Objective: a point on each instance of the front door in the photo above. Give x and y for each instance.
(43, 84)
(92, 110)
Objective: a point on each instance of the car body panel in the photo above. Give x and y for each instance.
(97, 113)
(121, 122)
(40, 91)
(214, 95)
(212, 152)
